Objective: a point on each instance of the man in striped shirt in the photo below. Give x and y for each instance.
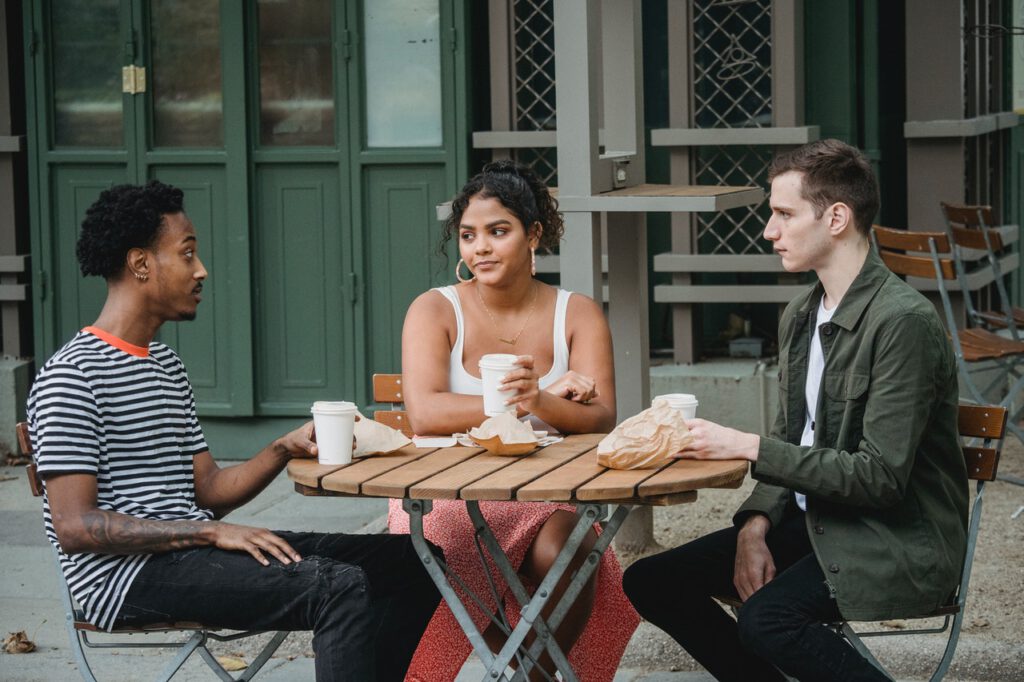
(133, 496)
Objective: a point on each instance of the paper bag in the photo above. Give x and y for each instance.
(646, 440)
(374, 438)
(505, 435)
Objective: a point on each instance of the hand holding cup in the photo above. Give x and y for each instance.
(522, 382)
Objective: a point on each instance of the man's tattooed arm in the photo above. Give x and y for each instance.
(123, 534)
(82, 527)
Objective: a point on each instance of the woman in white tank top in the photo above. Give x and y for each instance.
(565, 380)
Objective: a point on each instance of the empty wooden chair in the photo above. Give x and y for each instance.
(972, 346)
(973, 227)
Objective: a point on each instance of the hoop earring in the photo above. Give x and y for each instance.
(458, 275)
(533, 262)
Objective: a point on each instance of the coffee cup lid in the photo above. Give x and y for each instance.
(332, 407)
(684, 398)
(497, 360)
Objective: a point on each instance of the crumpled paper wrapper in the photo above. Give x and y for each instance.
(646, 440)
(374, 438)
(505, 435)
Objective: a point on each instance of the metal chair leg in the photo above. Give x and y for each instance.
(848, 633)
(196, 641)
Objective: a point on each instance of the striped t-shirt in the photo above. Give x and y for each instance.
(126, 415)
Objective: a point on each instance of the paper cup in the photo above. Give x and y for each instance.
(493, 367)
(684, 402)
(334, 422)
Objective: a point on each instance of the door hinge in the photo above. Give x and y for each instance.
(346, 44)
(133, 79)
(453, 39)
(43, 285)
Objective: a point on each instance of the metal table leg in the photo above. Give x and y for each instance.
(609, 529)
(416, 509)
(530, 619)
(511, 576)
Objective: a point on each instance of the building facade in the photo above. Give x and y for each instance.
(314, 139)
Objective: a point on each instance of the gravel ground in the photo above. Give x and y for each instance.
(992, 641)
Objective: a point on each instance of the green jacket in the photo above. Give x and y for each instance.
(885, 479)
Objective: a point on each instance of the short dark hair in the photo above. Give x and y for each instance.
(520, 191)
(122, 218)
(833, 171)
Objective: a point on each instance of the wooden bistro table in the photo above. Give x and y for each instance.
(566, 471)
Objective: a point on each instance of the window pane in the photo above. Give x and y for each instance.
(296, 73)
(188, 109)
(403, 73)
(87, 58)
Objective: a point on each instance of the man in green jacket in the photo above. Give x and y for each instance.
(860, 511)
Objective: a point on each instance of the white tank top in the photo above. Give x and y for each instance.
(461, 381)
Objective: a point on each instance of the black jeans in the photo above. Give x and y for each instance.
(779, 626)
(367, 598)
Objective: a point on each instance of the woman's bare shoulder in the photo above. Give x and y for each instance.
(429, 313)
(583, 307)
(431, 302)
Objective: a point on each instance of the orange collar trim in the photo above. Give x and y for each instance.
(120, 344)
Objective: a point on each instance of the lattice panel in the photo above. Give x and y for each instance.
(543, 161)
(534, 88)
(737, 231)
(732, 57)
(534, 57)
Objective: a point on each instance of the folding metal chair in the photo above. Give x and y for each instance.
(986, 423)
(973, 227)
(79, 629)
(973, 346)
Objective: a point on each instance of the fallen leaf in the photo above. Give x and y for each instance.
(979, 622)
(231, 663)
(19, 643)
(895, 624)
(16, 460)
(8, 478)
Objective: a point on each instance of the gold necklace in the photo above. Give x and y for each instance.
(512, 341)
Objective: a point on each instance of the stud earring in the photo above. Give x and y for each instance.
(458, 275)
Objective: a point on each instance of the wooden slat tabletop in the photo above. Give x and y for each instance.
(396, 483)
(563, 472)
(503, 484)
(350, 479)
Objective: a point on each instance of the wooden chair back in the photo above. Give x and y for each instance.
(968, 215)
(987, 422)
(892, 242)
(975, 239)
(387, 388)
(25, 443)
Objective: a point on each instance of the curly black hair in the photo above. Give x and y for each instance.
(520, 191)
(122, 218)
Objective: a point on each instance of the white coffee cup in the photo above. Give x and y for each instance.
(684, 402)
(493, 367)
(334, 422)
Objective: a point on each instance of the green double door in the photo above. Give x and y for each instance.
(313, 140)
